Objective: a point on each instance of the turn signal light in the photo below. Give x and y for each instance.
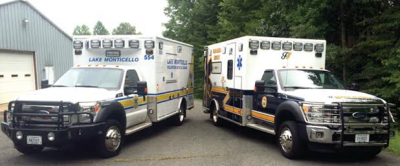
(305, 108)
(97, 108)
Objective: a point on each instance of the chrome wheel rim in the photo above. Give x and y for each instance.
(215, 116)
(286, 140)
(181, 116)
(113, 138)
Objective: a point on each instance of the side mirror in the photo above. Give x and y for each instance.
(259, 87)
(142, 88)
(354, 86)
(44, 84)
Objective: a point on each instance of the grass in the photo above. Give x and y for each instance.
(394, 145)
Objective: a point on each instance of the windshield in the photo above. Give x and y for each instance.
(308, 79)
(95, 78)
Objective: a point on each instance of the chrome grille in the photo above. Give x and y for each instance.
(363, 114)
(40, 114)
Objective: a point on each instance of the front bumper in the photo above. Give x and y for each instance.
(325, 135)
(75, 133)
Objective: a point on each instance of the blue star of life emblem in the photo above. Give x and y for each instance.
(239, 62)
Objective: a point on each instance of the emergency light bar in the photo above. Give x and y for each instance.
(308, 47)
(119, 43)
(254, 44)
(107, 43)
(149, 44)
(319, 47)
(95, 43)
(265, 45)
(298, 46)
(287, 46)
(134, 43)
(276, 45)
(78, 44)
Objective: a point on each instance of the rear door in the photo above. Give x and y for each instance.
(206, 78)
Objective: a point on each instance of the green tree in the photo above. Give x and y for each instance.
(125, 28)
(99, 29)
(82, 30)
(362, 35)
(193, 22)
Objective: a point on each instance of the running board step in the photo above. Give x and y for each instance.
(137, 128)
(263, 128)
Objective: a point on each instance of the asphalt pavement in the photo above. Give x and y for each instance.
(196, 142)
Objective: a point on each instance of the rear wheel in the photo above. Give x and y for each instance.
(29, 149)
(217, 121)
(291, 146)
(109, 144)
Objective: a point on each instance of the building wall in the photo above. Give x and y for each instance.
(51, 46)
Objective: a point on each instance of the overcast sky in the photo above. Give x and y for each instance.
(147, 15)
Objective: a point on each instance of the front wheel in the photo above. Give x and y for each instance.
(291, 146)
(109, 144)
(29, 149)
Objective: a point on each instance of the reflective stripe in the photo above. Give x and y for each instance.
(263, 116)
(233, 109)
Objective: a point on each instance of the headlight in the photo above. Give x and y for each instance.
(9, 117)
(321, 113)
(90, 108)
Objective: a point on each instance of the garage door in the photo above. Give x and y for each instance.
(17, 75)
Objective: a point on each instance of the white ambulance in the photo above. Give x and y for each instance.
(280, 86)
(118, 86)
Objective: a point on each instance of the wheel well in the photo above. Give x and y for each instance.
(282, 117)
(118, 116)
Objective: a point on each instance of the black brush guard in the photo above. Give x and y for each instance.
(17, 114)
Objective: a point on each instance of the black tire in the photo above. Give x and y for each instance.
(217, 121)
(29, 149)
(179, 118)
(107, 147)
(290, 143)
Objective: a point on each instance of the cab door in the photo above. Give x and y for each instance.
(135, 105)
(267, 101)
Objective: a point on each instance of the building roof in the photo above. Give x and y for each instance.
(41, 14)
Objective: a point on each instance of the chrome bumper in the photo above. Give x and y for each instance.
(325, 135)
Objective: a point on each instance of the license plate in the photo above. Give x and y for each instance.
(34, 140)
(362, 138)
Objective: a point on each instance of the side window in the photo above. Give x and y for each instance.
(230, 69)
(269, 79)
(131, 78)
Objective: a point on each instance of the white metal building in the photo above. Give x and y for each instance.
(32, 48)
